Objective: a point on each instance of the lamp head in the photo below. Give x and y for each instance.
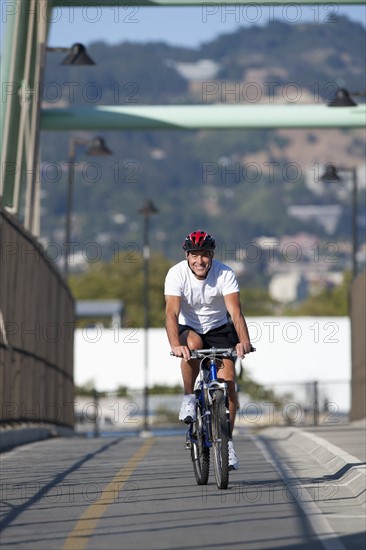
(78, 56)
(330, 174)
(342, 98)
(148, 208)
(98, 148)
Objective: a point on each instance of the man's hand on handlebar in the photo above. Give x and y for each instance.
(181, 351)
(242, 348)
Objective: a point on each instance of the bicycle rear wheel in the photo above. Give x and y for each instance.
(220, 439)
(200, 454)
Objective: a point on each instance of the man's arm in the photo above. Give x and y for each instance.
(172, 310)
(232, 302)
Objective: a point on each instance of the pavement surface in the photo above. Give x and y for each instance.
(297, 488)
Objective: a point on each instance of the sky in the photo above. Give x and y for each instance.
(181, 26)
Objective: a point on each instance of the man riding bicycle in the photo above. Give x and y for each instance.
(199, 293)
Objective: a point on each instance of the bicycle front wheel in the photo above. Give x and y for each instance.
(220, 439)
(200, 454)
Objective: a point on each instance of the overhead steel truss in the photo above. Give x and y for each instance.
(191, 117)
(213, 4)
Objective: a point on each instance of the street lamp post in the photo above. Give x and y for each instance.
(330, 176)
(146, 211)
(97, 148)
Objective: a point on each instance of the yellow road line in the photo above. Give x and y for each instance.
(78, 538)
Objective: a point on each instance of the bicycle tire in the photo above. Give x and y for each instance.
(220, 439)
(200, 454)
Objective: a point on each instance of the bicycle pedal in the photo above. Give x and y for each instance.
(188, 446)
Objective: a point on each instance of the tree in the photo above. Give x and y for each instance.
(122, 279)
(257, 302)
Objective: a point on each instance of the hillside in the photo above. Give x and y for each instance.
(239, 185)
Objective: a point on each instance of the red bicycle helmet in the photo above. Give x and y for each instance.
(199, 240)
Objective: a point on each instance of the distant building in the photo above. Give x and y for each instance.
(327, 216)
(95, 310)
(288, 287)
(199, 70)
(299, 283)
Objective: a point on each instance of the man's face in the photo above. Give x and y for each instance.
(200, 262)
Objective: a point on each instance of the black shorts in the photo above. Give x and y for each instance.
(221, 337)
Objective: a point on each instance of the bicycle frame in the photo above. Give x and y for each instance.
(211, 429)
(206, 384)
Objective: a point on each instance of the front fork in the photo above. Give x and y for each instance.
(228, 423)
(205, 427)
(228, 416)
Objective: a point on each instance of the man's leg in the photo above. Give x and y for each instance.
(190, 368)
(227, 373)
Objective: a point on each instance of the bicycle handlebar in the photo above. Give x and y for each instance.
(216, 352)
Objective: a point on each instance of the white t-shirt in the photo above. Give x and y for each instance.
(202, 302)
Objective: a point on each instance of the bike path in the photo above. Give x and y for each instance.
(134, 493)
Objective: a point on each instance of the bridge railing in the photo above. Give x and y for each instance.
(36, 333)
(358, 331)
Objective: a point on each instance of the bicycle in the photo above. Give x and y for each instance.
(212, 426)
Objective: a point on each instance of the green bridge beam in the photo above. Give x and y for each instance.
(213, 4)
(191, 117)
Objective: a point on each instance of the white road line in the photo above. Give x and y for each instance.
(350, 516)
(319, 524)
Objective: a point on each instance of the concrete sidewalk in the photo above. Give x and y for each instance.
(326, 465)
(350, 437)
(337, 451)
(24, 433)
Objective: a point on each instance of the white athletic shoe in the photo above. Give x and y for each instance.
(187, 411)
(233, 459)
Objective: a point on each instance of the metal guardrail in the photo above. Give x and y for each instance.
(310, 403)
(36, 332)
(307, 403)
